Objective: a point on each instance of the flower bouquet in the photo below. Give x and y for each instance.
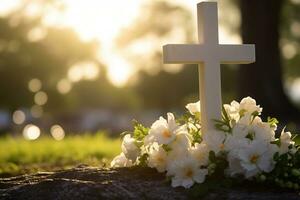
(241, 146)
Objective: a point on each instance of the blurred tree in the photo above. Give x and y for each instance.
(164, 22)
(263, 79)
(158, 21)
(159, 85)
(29, 50)
(24, 57)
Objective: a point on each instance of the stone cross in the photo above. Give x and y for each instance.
(209, 54)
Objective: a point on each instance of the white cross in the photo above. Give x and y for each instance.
(209, 54)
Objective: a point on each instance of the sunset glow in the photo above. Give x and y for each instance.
(102, 21)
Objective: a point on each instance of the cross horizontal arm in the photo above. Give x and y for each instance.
(183, 53)
(237, 54)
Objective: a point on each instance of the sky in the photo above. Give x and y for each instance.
(103, 20)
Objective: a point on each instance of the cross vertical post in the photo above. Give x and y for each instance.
(209, 54)
(209, 70)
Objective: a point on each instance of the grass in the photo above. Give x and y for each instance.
(19, 156)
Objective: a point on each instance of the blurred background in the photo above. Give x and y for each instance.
(70, 67)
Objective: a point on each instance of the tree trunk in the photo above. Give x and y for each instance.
(262, 80)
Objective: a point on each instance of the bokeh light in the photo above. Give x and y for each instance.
(36, 111)
(295, 1)
(83, 71)
(40, 98)
(36, 34)
(295, 29)
(295, 89)
(64, 86)
(289, 50)
(31, 132)
(19, 117)
(57, 132)
(34, 85)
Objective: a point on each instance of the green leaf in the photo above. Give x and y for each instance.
(139, 131)
(143, 160)
(166, 147)
(212, 156)
(255, 113)
(250, 135)
(272, 121)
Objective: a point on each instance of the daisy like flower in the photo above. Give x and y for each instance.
(157, 158)
(162, 131)
(215, 140)
(129, 148)
(185, 172)
(256, 157)
(121, 161)
(194, 108)
(234, 163)
(263, 131)
(179, 147)
(182, 139)
(234, 143)
(256, 130)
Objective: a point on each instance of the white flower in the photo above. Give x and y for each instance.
(236, 110)
(263, 131)
(232, 110)
(233, 143)
(186, 171)
(247, 119)
(256, 130)
(256, 157)
(248, 105)
(285, 142)
(234, 167)
(182, 140)
(200, 153)
(194, 108)
(162, 131)
(157, 158)
(129, 148)
(179, 147)
(240, 131)
(215, 140)
(121, 161)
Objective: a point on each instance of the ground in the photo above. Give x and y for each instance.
(44, 169)
(91, 183)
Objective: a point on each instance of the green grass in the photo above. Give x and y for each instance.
(18, 156)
